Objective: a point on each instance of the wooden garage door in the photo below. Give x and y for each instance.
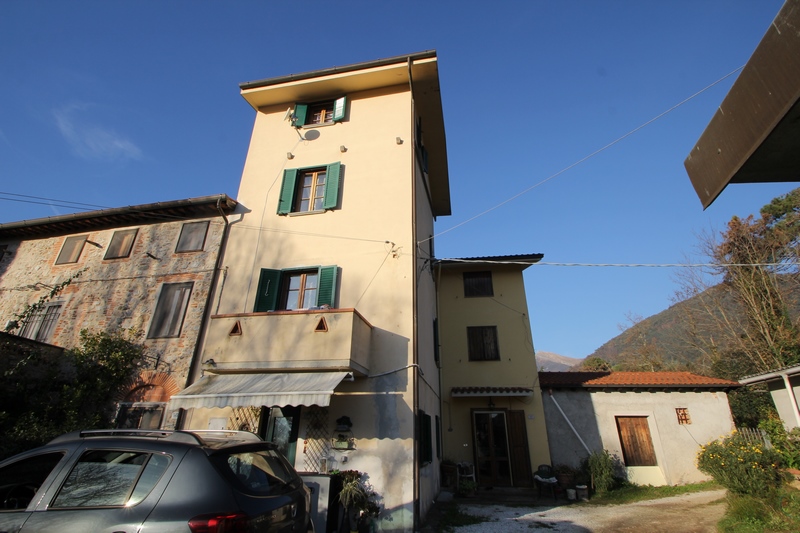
(637, 445)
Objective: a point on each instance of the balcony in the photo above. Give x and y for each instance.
(307, 340)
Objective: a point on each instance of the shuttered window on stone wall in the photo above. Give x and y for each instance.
(637, 445)
(170, 310)
(121, 244)
(71, 250)
(193, 237)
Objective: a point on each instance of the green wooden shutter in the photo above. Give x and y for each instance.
(268, 289)
(339, 107)
(300, 111)
(331, 199)
(326, 294)
(287, 191)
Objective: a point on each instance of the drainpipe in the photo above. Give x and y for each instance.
(201, 335)
(415, 302)
(575, 431)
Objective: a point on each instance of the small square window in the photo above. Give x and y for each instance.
(71, 251)
(482, 343)
(683, 415)
(121, 244)
(193, 237)
(478, 284)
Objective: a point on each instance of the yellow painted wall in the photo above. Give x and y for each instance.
(508, 310)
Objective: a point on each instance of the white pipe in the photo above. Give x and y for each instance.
(560, 410)
(792, 397)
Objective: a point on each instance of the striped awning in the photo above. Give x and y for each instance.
(270, 390)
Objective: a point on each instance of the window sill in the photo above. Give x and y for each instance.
(305, 213)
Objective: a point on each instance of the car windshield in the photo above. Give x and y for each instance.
(261, 472)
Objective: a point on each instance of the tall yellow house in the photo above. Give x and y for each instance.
(321, 330)
(492, 404)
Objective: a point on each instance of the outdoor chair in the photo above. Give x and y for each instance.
(465, 471)
(545, 480)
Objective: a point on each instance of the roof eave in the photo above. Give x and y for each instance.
(754, 136)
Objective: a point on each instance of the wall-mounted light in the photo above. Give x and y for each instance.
(210, 362)
(343, 148)
(289, 155)
(398, 140)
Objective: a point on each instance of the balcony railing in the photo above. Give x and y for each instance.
(314, 339)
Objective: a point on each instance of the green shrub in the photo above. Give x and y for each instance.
(600, 466)
(740, 466)
(786, 443)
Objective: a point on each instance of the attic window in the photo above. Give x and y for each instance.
(683, 415)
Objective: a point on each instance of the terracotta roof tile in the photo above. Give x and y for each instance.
(630, 379)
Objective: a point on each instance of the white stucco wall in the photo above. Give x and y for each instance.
(676, 445)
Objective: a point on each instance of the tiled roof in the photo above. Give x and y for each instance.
(491, 391)
(631, 380)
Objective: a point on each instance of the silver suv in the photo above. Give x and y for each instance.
(128, 481)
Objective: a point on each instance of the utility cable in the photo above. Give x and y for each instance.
(585, 158)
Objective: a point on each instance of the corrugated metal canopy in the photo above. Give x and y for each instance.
(271, 390)
(754, 137)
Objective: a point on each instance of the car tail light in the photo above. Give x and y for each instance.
(219, 523)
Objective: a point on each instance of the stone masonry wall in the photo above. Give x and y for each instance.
(110, 295)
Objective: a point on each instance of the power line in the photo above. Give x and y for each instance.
(585, 158)
(623, 265)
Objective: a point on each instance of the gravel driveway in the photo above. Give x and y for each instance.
(690, 513)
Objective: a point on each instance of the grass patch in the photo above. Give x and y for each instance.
(451, 516)
(636, 493)
(776, 512)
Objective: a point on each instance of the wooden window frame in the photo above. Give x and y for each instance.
(482, 343)
(316, 190)
(303, 289)
(321, 113)
(290, 196)
(272, 285)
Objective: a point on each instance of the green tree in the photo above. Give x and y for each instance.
(594, 364)
(48, 396)
(743, 306)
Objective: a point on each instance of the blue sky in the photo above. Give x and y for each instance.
(108, 104)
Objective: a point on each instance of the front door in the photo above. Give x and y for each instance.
(492, 458)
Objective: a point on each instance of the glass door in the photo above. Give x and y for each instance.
(493, 464)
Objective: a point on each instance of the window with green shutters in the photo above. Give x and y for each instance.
(326, 112)
(296, 288)
(310, 189)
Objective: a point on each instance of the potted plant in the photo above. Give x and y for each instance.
(466, 488)
(565, 475)
(448, 470)
(357, 505)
